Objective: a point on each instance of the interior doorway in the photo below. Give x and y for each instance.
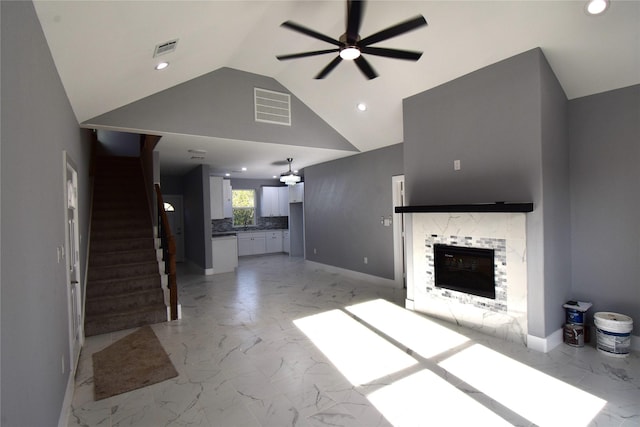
(175, 215)
(72, 257)
(398, 232)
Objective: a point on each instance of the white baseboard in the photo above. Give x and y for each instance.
(381, 281)
(556, 338)
(546, 344)
(65, 412)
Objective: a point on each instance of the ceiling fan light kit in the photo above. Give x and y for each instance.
(290, 177)
(351, 47)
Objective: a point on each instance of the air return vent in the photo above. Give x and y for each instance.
(166, 47)
(272, 107)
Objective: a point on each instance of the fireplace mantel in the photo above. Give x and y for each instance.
(475, 207)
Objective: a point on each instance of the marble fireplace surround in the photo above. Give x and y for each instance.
(499, 226)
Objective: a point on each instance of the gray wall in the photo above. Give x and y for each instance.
(555, 206)
(37, 125)
(505, 123)
(344, 200)
(119, 143)
(171, 184)
(197, 217)
(605, 200)
(220, 104)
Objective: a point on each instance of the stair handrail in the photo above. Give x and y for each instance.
(169, 252)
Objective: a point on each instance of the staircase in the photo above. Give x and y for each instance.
(123, 279)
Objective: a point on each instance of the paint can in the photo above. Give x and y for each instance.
(574, 316)
(574, 334)
(613, 333)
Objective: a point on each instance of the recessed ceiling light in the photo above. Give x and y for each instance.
(274, 177)
(162, 66)
(227, 174)
(362, 106)
(596, 7)
(244, 169)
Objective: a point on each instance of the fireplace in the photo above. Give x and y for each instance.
(504, 233)
(465, 269)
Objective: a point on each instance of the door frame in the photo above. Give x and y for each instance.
(399, 266)
(73, 269)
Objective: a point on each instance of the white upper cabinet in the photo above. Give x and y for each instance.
(227, 196)
(283, 201)
(296, 193)
(271, 204)
(220, 197)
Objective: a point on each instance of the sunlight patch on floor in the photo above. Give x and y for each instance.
(358, 353)
(425, 337)
(540, 398)
(425, 399)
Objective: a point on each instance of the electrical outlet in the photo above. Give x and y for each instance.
(366, 260)
(456, 165)
(62, 363)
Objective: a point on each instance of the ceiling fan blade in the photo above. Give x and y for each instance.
(366, 68)
(394, 31)
(305, 54)
(355, 10)
(392, 53)
(309, 32)
(326, 70)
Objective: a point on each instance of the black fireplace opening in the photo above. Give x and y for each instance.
(464, 269)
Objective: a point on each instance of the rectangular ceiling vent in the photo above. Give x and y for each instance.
(272, 107)
(166, 47)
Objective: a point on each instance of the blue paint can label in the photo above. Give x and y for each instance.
(574, 316)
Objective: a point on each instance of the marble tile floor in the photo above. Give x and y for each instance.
(282, 342)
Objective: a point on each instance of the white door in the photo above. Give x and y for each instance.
(398, 232)
(176, 222)
(72, 255)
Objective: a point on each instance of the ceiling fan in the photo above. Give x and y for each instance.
(290, 177)
(351, 47)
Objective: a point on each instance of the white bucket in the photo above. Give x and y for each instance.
(613, 332)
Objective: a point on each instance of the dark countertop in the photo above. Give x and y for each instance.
(224, 234)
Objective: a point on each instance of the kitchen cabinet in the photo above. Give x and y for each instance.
(273, 241)
(283, 200)
(251, 243)
(296, 193)
(227, 198)
(270, 202)
(286, 242)
(220, 197)
(224, 251)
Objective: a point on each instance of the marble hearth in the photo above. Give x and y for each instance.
(505, 232)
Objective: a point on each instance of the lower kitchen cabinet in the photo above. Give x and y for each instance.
(260, 242)
(274, 241)
(251, 243)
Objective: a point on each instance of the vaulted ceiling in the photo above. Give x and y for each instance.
(103, 51)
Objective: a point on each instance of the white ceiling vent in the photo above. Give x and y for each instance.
(166, 47)
(272, 107)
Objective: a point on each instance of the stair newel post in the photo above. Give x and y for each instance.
(173, 284)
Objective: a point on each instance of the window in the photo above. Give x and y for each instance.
(244, 207)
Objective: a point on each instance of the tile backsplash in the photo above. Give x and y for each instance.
(266, 223)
